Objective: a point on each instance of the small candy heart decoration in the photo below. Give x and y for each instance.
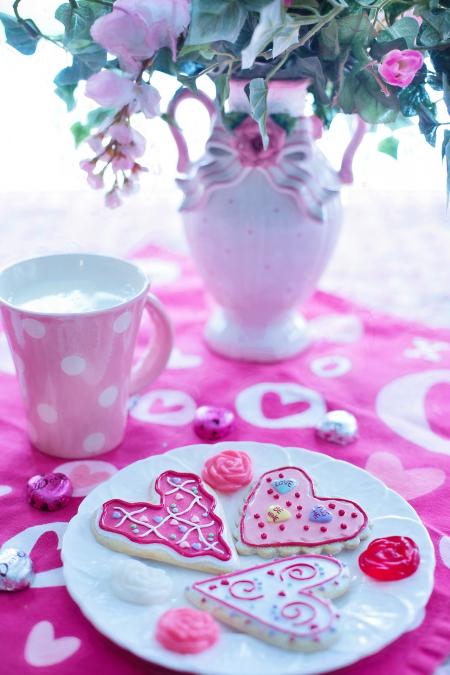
(195, 519)
(277, 514)
(157, 519)
(320, 515)
(179, 497)
(283, 485)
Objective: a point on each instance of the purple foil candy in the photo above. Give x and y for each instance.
(212, 423)
(49, 492)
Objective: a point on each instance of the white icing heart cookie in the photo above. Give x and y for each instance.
(282, 516)
(185, 527)
(286, 603)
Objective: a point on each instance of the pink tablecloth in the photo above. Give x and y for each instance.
(394, 376)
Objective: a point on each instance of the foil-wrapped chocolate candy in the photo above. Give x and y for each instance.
(50, 491)
(212, 423)
(16, 570)
(338, 426)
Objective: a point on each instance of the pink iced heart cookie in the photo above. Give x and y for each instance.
(283, 514)
(286, 603)
(184, 528)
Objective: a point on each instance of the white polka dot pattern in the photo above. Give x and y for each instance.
(47, 413)
(73, 365)
(122, 322)
(94, 442)
(108, 396)
(34, 328)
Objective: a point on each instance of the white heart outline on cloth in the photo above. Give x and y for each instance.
(249, 405)
(141, 410)
(410, 483)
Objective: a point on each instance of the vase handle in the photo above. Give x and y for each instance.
(182, 94)
(346, 171)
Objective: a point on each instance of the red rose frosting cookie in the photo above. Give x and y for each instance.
(285, 603)
(184, 528)
(228, 471)
(282, 515)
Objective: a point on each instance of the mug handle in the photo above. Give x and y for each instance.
(154, 360)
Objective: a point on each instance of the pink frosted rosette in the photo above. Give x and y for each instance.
(187, 631)
(228, 471)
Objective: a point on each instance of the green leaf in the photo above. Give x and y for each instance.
(406, 28)
(256, 91)
(270, 22)
(222, 83)
(361, 94)
(96, 117)
(389, 146)
(79, 132)
(329, 41)
(435, 27)
(355, 27)
(233, 119)
(446, 157)
(77, 21)
(66, 93)
(23, 36)
(286, 122)
(254, 5)
(215, 20)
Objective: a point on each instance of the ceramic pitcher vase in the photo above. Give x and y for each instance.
(261, 224)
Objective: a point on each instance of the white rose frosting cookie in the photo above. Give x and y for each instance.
(133, 581)
(185, 527)
(286, 603)
(282, 516)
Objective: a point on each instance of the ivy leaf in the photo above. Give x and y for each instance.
(286, 36)
(379, 49)
(96, 117)
(23, 36)
(256, 91)
(77, 20)
(215, 20)
(255, 5)
(286, 122)
(406, 28)
(389, 146)
(79, 132)
(361, 94)
(222, 83)
(446, 157)
(435, 27)
(270, 22)
(233, 119)
(66, 93)
(355, 27)
(73, 74)
(329, 41)
(446, 87)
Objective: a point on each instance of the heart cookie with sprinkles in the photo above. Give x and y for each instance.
(283, 515)
(185, 527)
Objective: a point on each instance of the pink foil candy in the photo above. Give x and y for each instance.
(212, 423)
(49, 492)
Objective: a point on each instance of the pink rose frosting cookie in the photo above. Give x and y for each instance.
(185, 527)
(283, 515)
(228, 471)
(187, 631)
(286, 603)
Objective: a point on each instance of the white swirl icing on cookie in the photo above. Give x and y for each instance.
(133, 581)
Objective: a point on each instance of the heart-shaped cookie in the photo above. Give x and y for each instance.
(307, 522)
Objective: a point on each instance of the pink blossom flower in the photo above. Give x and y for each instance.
(95, 180)
(399, 67)
(136, 29)
(122, 163)
(248, 142)
(122, 133)
(112, 199)
(87, 165)
(130, 186)
(110, 89)
(148, 100)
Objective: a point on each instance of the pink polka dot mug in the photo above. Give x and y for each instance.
(71, 321)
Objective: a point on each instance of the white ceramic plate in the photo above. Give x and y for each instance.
(374, 613)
